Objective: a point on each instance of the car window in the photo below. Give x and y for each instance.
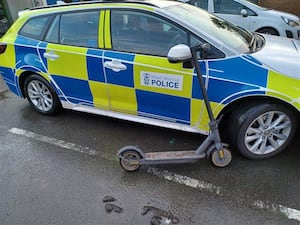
(230, 7)
(200, 3)
(36, 27)
(52, 35)
(138, 32)
(250, 12)
(78, 29)
(212, 53)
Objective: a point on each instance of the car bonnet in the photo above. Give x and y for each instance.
(283, 14)
(281, 55)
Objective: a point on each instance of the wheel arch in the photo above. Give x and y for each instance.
(254, 100)
(230, 119)
(22, 79)
(267, 27)
(44, 92)
(23, 76)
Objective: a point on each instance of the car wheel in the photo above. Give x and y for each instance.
(268, 31)
(262, 131)
(41, 95)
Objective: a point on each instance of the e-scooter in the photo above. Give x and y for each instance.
(132, 157)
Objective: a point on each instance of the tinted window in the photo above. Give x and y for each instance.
(35, 27)
(144, 33)
(52, 35)
(212, 53)
(79, 29)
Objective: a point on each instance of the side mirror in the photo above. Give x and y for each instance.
(179, 53)
(244, 13)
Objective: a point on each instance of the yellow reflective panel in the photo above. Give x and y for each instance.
(71, 61)
(107, 37)
(9, 58)
(101, 29)
(123, 99)
(196, 108)
(100, 94)
(283, 87)
(199, 113)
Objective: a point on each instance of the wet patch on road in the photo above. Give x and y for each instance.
(159, 216)
(109, 206)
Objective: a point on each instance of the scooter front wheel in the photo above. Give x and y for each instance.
(130, 160)
(220, 158)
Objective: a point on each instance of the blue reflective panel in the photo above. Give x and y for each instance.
(75, 90)
(239, 69)
(94, 65)
(163, 105)
(124, 77)
(219, 90)
(28, 56)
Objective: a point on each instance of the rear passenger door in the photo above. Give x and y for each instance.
(74, 58)
(140, 79)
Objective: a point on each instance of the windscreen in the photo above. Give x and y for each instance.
(230, 35)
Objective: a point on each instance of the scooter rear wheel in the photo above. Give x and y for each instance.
(130, 160)
(221, 159)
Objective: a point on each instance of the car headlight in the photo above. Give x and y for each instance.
(292, 23)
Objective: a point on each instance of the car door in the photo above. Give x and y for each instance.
(74, 58)
(232, 11)
(140, 79)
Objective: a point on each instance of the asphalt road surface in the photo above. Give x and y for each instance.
(58, 170)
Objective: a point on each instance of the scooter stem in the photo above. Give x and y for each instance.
(213, 124)
(201, 82)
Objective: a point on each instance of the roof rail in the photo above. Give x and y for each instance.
(92, 2)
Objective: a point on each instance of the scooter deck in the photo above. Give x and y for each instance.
(171, 157)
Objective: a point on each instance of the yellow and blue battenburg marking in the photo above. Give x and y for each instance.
(157, 99)
(156, 90)
(146, 86)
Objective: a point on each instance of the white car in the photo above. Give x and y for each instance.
(253, 17)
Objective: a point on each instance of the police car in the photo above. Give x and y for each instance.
(111, 58)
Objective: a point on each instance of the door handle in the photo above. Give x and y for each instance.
(51, 55)
(115, 65)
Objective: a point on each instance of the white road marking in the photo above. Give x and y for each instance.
(54, 141)
(288, 212)
(194, 183)
(165, 174)
(190, 182)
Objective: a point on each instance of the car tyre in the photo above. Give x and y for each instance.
(270, 31)
(262, 131)
(41, 95)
